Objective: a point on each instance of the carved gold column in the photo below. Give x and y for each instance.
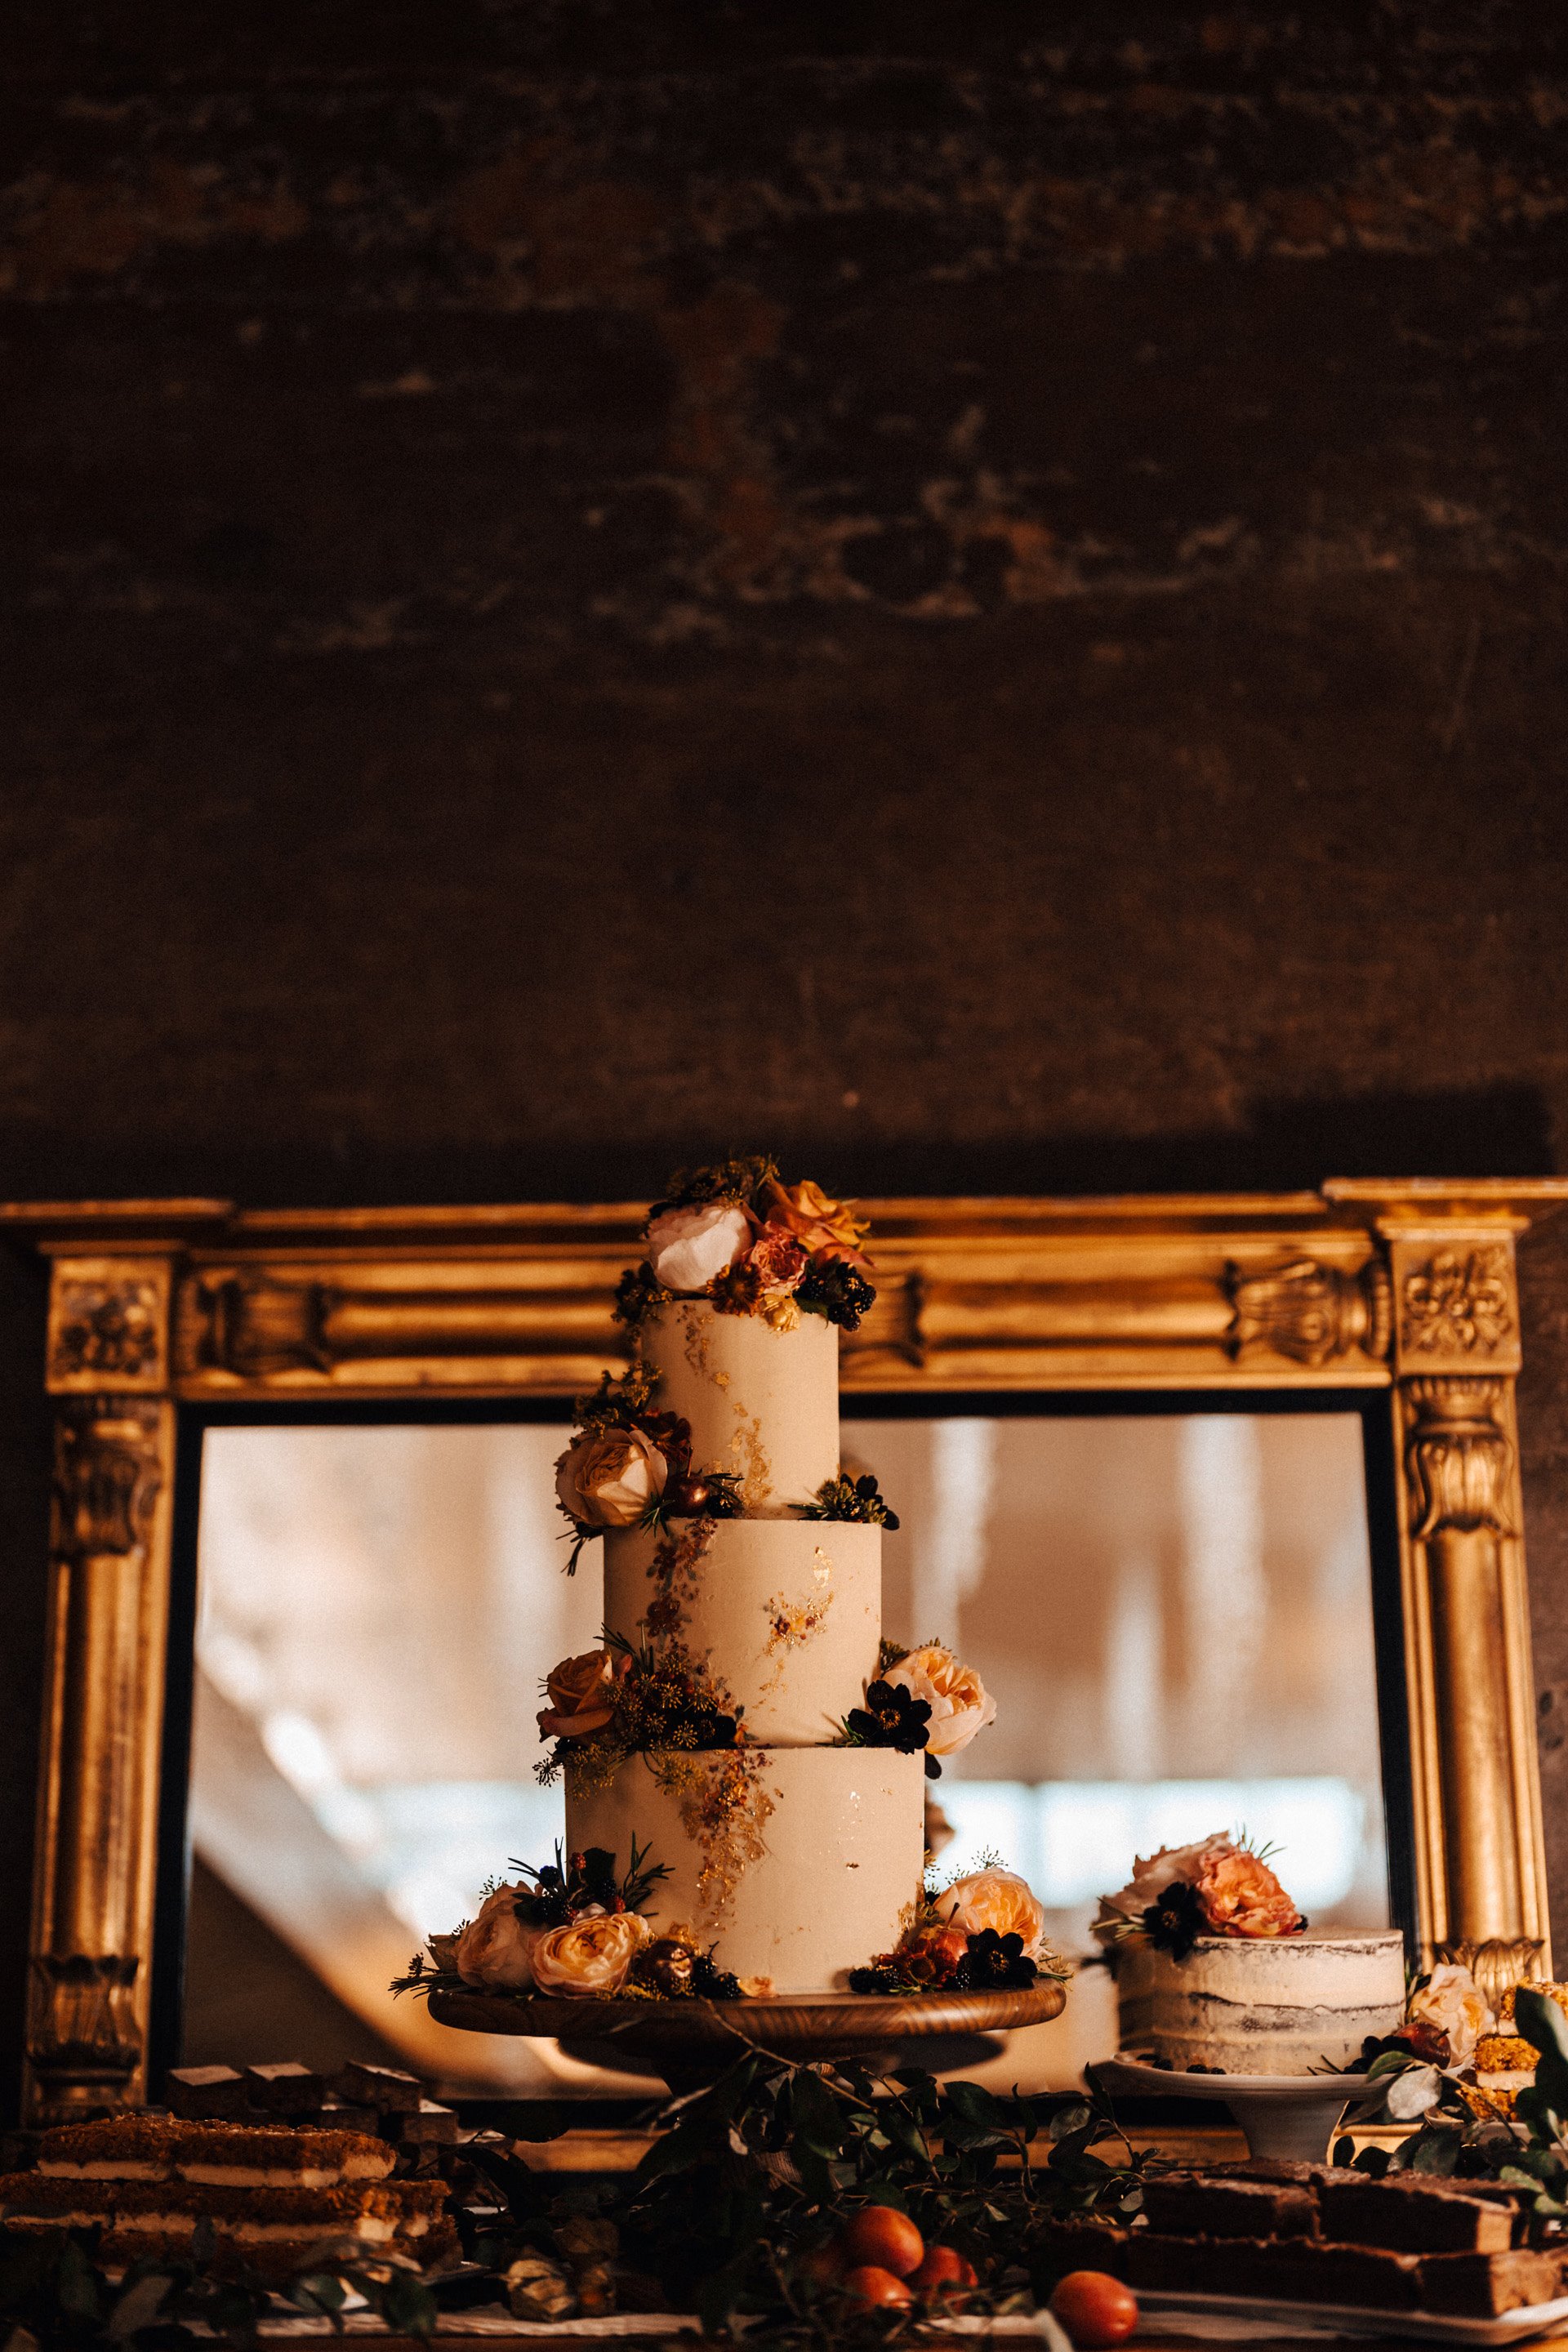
(108, 1632)
(1479, 1872)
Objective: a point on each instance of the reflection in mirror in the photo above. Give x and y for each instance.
(1173, 1611)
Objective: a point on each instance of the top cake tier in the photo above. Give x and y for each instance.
(762, 1404)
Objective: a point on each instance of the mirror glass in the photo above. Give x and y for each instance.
(1173, 1611)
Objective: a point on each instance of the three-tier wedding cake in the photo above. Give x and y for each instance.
(800, 1856)
(744, 1755)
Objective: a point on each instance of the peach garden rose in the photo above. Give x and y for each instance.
(608, 1477)
(998, 1899)
(592, 1954)
(959, 1701)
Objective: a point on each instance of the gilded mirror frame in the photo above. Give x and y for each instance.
(1408, 1288)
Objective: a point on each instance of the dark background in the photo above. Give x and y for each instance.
(976, 592)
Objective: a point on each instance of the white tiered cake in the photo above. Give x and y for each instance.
(795, 1855)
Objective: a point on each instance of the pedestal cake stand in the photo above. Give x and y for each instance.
(691, 2043)
(1284, 2116)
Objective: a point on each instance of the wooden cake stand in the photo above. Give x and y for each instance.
(691, 2043)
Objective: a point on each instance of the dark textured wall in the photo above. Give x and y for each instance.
(976, 591)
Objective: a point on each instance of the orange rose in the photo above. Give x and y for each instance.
(593, 1954)
(1241, 1897)
(818, 1222)
(999, 1899)
(582, 1696)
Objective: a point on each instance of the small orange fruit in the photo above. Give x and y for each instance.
(874, 2284)
(1095, 2310)
(883, 2237)
(942, 2271)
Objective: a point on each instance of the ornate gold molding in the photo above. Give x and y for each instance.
(1457, 1303)
(1313, 1314)
(92, 1916)
(108, 1324)
(1457, 1458)
(1407, 1287)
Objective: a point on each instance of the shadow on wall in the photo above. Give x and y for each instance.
(1278, 1144)
(254, 2000)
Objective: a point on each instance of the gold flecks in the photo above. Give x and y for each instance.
(724, 1807)
(751, 1459)
(791, 1624)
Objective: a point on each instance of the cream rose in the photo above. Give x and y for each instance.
(496, 1950)
(959, 1701)
(583, 1691)
(999, 1899)
(1150, 1878)
(688, 1247)
(591, 1954)
(609, 1477)
(1453, 2001)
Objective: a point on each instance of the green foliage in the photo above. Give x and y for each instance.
(757, 2172)
(53, 2291)
(736, 1181)
(851, 1498)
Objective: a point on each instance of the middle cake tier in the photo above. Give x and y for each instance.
(786, 1615)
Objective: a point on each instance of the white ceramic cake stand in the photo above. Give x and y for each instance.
(1289, 2117)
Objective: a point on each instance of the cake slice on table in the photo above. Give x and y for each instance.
(271, 2197)
(745, 1758)
(1217, 1970)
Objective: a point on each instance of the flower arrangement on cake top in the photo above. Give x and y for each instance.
(1219, 1887)
(920, 1701)
(983, 1933)
(575, 1928)
(737, 1236)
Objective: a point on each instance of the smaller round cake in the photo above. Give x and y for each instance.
(1216, 1968)
(1284, 2005)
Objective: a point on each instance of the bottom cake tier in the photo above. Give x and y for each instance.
(795, 1863)
(1272, 2005)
